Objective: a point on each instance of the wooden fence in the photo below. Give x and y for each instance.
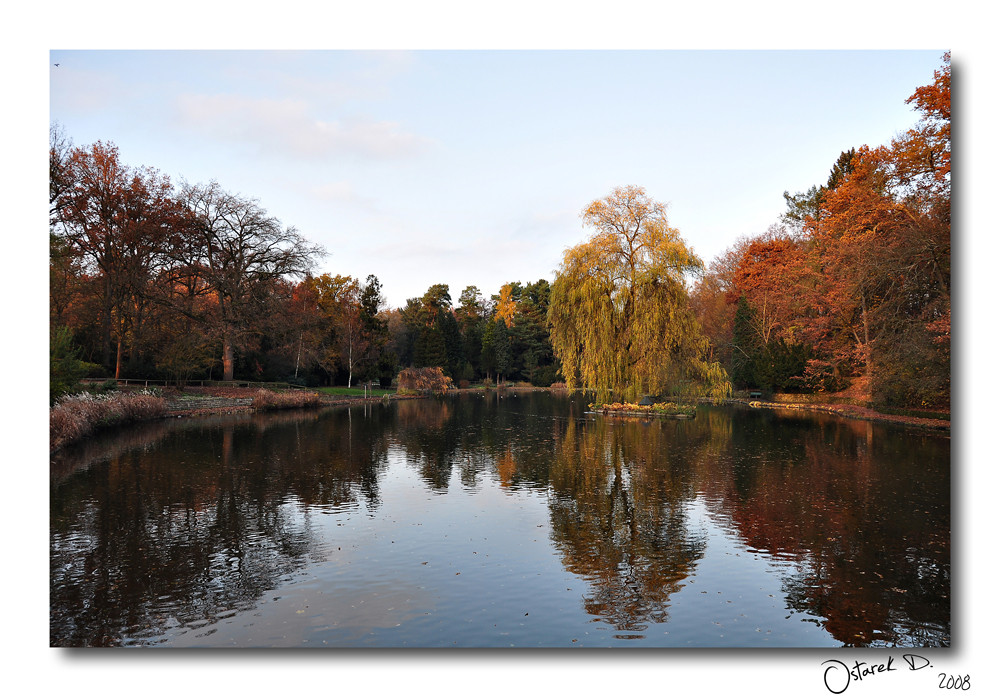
(143, 382)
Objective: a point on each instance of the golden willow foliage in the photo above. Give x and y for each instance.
(618, 311)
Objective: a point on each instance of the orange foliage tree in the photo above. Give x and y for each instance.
(863, 279)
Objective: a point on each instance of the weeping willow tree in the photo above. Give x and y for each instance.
(618, 311)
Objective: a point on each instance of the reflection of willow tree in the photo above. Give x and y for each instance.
(619, 518)
(207, 522)
(860, 511)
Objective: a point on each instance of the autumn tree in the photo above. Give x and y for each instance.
(618, 311)
(923, 154)
(240, 251)
(772, 286)
(341, 338)
(808, 206)
(65, 266)
(350, 341)
(881, 248)
(506, 307)
(911, 350)
(708, 301)
(770, 271)
(113, 220)
(305, 325)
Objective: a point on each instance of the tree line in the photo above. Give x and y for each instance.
(850, 287)
(156, 281)
(853, 285)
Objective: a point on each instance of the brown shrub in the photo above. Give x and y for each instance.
(266, 399)
(423, 381)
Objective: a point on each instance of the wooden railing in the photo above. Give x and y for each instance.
(144, 382)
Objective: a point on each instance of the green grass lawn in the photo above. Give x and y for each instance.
(355, 391)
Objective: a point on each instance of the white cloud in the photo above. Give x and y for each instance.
(285, 127)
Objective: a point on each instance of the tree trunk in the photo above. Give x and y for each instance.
(227, 357)
(106, 310)
(118, 360)
(867, 347)
(350, 360)
(298, 356)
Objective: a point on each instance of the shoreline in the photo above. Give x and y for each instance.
(850, 411)
(845, 410)
(203, 402)
(237, 404)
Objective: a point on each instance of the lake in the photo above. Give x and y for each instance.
(513, 519)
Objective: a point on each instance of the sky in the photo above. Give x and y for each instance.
(471, 167)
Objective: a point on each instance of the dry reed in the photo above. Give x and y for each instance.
(76, 416)
(266, 399)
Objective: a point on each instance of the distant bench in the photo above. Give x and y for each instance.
(755, 394)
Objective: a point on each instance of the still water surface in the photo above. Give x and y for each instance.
(502, 520)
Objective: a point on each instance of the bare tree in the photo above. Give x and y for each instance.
(241, 252)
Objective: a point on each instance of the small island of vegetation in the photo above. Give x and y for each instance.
(680, 411)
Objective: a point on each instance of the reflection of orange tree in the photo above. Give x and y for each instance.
(506, 468)
(870, 535)
(619, 520)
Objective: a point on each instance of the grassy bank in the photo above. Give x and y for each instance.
(356, 391)
(76, 416)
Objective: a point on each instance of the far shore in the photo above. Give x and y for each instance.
(850, 411)
(196, 401)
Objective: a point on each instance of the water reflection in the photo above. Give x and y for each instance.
(619, 519)
(200, 526)
(179, 526)
(862, 508)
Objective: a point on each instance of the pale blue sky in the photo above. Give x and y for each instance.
(471, 167)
